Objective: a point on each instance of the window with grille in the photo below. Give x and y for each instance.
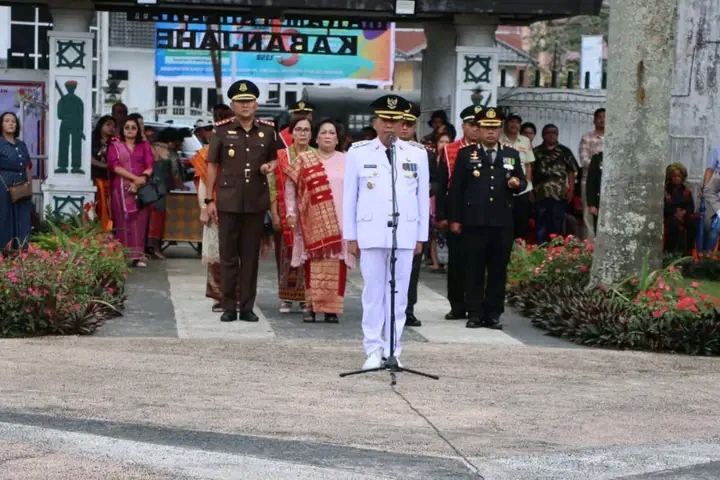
(211, 99)
(196, 99)
(273, 93)
(161, 97)
(178, 101)
(290, 98)
(357, 122)
(29, 45)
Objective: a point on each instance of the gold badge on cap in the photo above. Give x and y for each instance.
(261, 134)
(392, 103)
(476, 173)
(243, 87)
(301, 106)
(370, 185)
(491, 113)
(231, 152)
(478, 109)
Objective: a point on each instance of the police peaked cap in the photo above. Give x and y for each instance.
(302, 107)
(412, 113)
(489, 117)
(469, 113)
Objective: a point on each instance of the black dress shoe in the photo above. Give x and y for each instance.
(453, 315)
(493, 323)
(229, 316)
(248, 316)
(474, 322)
(411, 321)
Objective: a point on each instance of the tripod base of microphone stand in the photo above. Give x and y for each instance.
(392, 366)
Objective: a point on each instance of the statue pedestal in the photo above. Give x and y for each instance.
(68, 186)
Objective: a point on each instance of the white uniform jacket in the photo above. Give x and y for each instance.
(367, 195)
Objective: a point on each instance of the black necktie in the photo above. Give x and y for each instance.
(491, 155)
(388, 152)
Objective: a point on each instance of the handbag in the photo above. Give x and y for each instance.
(151, 192)
(210, 245)
(443, 254)
(19, 191)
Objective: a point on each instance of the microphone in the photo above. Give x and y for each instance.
(391, 151)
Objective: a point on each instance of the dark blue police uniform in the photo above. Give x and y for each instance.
(481, 201)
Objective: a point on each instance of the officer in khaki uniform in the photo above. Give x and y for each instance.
(482, 191)
(246, 150)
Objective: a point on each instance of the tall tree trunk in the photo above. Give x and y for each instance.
(216, 59)
(640, 68)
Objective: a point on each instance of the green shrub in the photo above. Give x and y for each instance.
(68, 281)
(654, 311)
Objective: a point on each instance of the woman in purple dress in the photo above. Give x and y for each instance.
(15, 167)
(130, 164)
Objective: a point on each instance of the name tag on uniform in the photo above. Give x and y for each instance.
(369, 166)
(232, 132)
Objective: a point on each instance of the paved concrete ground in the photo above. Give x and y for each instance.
(168, 300)
(277, 409)
(264, 401)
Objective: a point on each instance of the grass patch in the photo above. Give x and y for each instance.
(707, 287)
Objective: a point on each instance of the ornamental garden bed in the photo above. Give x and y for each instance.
(68, 281)
(656, 311)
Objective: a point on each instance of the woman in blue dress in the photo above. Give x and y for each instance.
(15, 167)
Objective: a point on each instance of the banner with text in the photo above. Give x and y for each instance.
(275, 54)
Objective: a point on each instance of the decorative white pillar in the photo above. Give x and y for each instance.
(476, 62)
(450, 82)
(68, 186)
(438, 73)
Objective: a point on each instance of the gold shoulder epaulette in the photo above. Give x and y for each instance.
(265, 122)
(359, 143)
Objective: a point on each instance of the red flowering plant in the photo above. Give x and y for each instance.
(655, 310)
(67, 281)
(565, 259)
(668, 315)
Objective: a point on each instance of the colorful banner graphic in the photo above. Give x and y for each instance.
(353, 56)
(26, 100)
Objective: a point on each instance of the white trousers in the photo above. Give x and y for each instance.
(375, 269)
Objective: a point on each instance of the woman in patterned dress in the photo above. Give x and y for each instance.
(291, 279)
(313, 197)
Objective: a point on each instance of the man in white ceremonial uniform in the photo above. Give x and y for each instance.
(370, 168)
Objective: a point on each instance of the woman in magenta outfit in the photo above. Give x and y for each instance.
(130, 164)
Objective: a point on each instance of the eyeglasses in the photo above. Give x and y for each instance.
(130, 127)
(301, 130)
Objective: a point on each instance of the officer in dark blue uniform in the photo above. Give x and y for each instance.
(484, 179)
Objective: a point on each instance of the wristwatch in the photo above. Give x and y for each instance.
(208, 201)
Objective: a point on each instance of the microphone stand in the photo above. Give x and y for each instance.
(391, 363)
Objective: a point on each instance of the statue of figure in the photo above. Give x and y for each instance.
(71, 113)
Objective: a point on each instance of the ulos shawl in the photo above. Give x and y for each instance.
(321, 232)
